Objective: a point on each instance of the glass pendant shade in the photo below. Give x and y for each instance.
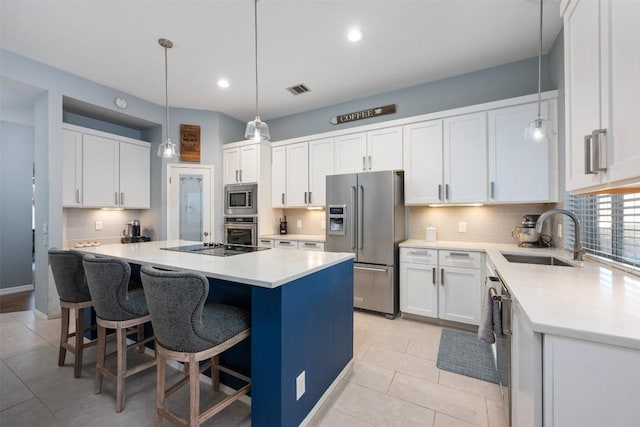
(167, 149)
(539, 130)
(257, 130)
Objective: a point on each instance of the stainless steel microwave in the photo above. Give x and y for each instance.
(241, 199)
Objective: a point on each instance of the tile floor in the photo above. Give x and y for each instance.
(394, 382)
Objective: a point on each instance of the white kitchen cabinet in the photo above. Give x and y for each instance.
(285, 244)
(590, 384)
(376, 150)
(241, 162)
(293, 243)
(113, 171)
(519, 170)
(310, 246)
(423, 156)
(267, 243)
(441, 283)
(602, 64)
(526, 371)
(465, 158)
(71, 168)
(299, 173)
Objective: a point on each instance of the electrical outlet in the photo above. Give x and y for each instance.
(462, 227)
(299, 223)
(300, 385)
(98, 225)
(323, 225)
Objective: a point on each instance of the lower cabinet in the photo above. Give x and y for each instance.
(291, 244)
(441, 284)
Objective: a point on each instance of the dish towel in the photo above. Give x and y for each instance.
(490, 319)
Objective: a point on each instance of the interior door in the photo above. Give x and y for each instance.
(190, 202)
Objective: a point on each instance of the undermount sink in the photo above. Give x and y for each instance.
(536, 259)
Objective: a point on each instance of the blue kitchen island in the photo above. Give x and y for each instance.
(301, 306)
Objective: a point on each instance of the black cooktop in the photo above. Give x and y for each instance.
(216, 249)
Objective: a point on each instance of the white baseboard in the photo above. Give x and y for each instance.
(16, 289)
(326, 394)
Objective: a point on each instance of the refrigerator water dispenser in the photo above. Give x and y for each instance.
(337, 215)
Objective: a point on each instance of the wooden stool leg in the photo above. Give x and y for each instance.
(140, 337)
(64, 335)
(102, 349)
(77, 366)
(194, 391)
(215, 373)
(121, 356)
(160, 387)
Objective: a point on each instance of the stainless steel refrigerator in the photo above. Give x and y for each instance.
(365, 215)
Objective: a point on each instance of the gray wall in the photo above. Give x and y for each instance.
(16, 171)
(492, 84)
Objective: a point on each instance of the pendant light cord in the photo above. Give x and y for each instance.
(166, 92)
(540, 64)
(255, 34)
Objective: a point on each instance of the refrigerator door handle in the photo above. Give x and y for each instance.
(353, 217)
(360, 216)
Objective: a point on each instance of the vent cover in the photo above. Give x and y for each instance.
(299, 89)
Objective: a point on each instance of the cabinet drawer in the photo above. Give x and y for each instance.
(462, 259)
(311, 246)
(419, 255)
(285, 244)
(267, 243)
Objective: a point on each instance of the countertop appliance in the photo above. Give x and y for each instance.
(241, 199)
(365, 215)
(217, 249)
(241, 230)
(527, 235)
(131, 233)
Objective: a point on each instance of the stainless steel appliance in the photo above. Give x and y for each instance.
(132, 233)
(217, 249)
(241, 230)
(241, 199)
(502, 346)
(365, 215)
(527, 235)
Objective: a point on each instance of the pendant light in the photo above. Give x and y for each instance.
(167, 149)
(539, 130)
(257, 130)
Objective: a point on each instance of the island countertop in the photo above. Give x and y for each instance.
(268, 268)
(591, 301)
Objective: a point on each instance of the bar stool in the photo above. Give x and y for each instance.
(189, 331)
(68, 275)
(120, 309)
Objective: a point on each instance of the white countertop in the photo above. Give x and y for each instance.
(298, 237)
(591, 301)
(267, 268)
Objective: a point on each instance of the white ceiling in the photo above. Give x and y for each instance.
(407, 42)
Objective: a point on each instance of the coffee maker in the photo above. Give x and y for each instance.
(131, 233)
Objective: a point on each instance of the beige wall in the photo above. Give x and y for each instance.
(311, 220)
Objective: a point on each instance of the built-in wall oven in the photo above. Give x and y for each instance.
(502, 346)
(241, 199)
(241, 230)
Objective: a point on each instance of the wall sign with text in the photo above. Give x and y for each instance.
(364, 114)
(190, 143)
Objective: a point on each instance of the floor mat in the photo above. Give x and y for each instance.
(465, 354)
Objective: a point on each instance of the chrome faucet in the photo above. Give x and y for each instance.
(577, 245)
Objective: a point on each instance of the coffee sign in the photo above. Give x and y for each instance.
(190, 143)
(364, 114)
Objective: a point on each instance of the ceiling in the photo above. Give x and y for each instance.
(406, 42)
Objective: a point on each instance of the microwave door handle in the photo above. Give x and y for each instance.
(353, 217)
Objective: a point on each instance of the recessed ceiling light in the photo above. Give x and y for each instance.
(224, 83)
(355, 34)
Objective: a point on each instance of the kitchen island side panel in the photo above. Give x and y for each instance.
(305, 325)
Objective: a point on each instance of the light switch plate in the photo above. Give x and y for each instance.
(323, 225)
(462, 227)
(299, 223)
(98, 225)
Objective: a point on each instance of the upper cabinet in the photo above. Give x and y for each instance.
(101, 170)
(519, 170)
(602, 65)
(375, 150)
(299, 173)
(422, 148)
(241, 162)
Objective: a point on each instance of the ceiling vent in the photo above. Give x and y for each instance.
(299, 89)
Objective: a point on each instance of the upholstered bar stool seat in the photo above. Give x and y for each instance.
(68, 275)
(188, 331)
(121, 309)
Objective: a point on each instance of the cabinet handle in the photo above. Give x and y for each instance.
(433, 275)
(305, 197)
(77, 196)
(240, 175)
(364, 164)
(116, 197)
(597, 136)
(464, 254)
(446, 191)
(122, 199)
(440, 192)
(284, 243)
(369, 162)
(236, 175)
(493, 189)
(309, 244)
(442, 276)
(587, 156)
(283, 198)
(310, 197)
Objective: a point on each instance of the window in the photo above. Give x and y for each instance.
(610, 226)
